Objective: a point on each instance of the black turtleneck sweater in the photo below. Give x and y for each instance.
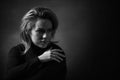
(28, 67)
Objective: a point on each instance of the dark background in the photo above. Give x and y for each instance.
(85, 33)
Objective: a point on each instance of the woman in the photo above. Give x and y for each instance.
(38, 57)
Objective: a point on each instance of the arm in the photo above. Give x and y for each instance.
(17, 67)
(57, 71)
(34, 68)
(52, 70)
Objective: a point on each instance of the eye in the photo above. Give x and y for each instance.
(49, 30)
(41, 30)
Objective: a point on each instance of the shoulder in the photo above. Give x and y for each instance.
(17, 49)
(56, 46)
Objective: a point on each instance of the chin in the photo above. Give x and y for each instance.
(43, 46)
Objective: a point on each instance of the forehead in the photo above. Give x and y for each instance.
(43, 23)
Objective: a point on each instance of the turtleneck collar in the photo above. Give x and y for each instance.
(35, 50)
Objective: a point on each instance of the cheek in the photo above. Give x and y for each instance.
(36, 36)
(33, 36)
(49, 36)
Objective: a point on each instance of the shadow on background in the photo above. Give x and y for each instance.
(85, 33)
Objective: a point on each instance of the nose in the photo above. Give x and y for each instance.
(44, 35)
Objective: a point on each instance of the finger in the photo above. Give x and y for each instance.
(53, 58)
(57, 50)
(58, 57)
(56, 53)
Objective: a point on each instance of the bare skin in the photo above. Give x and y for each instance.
(53, 54)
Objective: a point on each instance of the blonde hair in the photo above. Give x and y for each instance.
(28, 23)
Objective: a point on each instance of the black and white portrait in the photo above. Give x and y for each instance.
(58, 39)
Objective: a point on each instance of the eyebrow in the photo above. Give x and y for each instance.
(44, 28)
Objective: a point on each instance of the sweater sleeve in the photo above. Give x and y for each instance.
(33, 68)
(17, 67)
(56, 71)
(52, 70)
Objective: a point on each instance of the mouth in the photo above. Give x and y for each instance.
(43, 42)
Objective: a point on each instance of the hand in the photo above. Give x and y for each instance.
(53, 54)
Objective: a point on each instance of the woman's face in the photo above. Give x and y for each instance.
(42, 33)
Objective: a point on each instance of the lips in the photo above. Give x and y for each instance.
(43, 42)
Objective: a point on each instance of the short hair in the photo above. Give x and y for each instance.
(29, 19)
